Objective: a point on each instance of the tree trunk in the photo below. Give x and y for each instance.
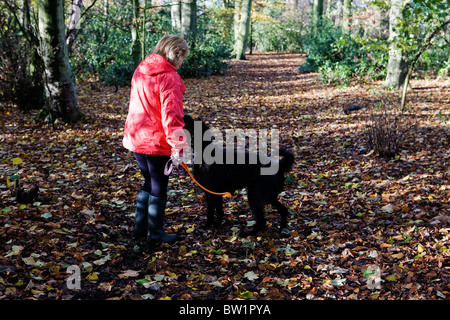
(36, 96)
(317, 12)
(244, 28)
(135, 39)
(188, 18)
(106, 20)
(59, 84)
(74, 23)
(397, 68)
(144, 31)
(346, 14)
(328, 9)
(175, 12)
(237, 18)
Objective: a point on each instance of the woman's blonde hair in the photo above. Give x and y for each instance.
(174, 48)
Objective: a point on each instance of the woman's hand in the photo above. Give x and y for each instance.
(177, 157)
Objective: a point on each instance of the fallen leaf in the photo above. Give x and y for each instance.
(420, 248)
(128, 274)
(93, 276)
(388, 208)
(15, 250)
(17, 161)
(250, 275)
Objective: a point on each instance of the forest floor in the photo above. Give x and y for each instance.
(360, 226)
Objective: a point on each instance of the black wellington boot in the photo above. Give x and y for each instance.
(141, 215)
(156, 215)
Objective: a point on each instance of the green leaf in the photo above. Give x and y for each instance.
(87, 266)
(367, 273)
(143, 281)
(391, 277)
(46, 215)
(93, 276)
(17, 161)
(102, 261)
(246, 295)
(5, 210)
(218, 251)
(159, 277)
(217, 284)
(339, 282)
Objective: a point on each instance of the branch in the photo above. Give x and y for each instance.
(17, 20)
(87, 9)
(424, 47)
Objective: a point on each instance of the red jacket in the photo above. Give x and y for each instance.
(155, 116)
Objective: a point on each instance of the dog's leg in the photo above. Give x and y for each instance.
(211, 207)
(282, 211)
(219, 211)
(256, 204)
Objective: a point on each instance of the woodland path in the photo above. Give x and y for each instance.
(354, 218)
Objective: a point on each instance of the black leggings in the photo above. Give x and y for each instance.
(152, 168)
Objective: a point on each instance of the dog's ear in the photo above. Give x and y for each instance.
(188, 121)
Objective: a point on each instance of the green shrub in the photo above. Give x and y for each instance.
(110, 58)
(271, 36)
(117, 73)
(208, 55)
(339, 57)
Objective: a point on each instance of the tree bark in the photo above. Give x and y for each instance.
(144, 31)
(74, 23)
(397, 68)
(243, 31)
(106, 21)
(317, 12)
(37, 90)
(346, 14)
(175, 12)
(188, 18)
(237, 18)
(59, 83)
(136, 49)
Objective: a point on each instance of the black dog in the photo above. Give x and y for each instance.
(261, 189)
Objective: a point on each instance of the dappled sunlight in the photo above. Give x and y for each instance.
(348, 208)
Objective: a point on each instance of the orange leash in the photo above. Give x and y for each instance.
(226, 194)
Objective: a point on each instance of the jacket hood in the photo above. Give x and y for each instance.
(155, 64)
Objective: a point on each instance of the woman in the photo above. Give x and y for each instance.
(153, 131)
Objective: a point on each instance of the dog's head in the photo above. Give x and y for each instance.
(190, 124)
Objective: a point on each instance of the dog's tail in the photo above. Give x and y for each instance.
(286, 161)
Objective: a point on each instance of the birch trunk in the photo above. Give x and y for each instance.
(397, 68)
(136, 50)
(175, 12)
(243, 31)
(59, 83)
(74, 23)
